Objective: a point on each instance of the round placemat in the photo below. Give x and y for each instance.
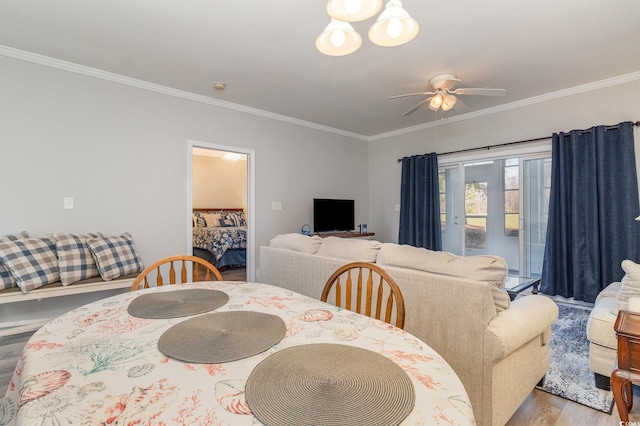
(222, 337)
(178, 303)
(329, 384)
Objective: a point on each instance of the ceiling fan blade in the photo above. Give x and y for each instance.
(412, 94)
(415, 107)
(460, 106)
(479, 91)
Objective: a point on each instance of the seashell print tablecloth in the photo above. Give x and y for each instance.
(99, 365)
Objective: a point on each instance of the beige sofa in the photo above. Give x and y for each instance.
(456, 305)
(603, 345)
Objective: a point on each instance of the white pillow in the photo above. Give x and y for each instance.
(630, 284)
(354, 249)
(297, 242)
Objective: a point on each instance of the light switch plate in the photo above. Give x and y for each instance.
(276, 205)
(68, 203)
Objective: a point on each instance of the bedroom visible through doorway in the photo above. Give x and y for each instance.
(220, 206)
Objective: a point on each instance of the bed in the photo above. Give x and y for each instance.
(220, 236)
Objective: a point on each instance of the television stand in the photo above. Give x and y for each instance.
(347, 234)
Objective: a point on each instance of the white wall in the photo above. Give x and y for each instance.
(219, 183)
(121, 152)
(610, 105)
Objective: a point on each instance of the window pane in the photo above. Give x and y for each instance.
(511, 178)
(511, 200)
(511, 222)
(476, 208)
(475, 199)
(475, 233)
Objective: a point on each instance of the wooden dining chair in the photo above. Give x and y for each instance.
(210, 272)
(372, 285)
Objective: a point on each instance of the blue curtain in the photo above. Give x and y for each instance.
(420, 202)
(592, 209)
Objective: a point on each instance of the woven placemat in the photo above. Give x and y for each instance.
(329, 384)
(222, 337)
(178, 303)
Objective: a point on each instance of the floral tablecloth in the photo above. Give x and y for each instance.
(98, 365)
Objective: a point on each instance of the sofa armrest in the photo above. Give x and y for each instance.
(526, 318)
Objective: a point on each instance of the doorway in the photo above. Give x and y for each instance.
(221, 177)
(497, 207)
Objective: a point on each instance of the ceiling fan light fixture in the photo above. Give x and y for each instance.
(353, 10)
(394, 26)
(448, 102)
(435, 103)
(338, 39)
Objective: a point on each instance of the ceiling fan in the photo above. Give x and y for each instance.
(444, 95)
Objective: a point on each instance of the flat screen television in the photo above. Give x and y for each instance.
(333, 215)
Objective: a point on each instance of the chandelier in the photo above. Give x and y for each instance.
(393, 27)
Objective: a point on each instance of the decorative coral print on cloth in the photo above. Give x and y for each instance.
(99, 365)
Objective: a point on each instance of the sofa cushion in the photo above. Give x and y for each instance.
(32, 261)
(297, 242)
(6, 279)
(74, 257)
(630, 284)
(350, 248)
(490, 269)
(115, 256)
(600, 325)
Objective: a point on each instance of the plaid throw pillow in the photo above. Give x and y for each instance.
(74, 257)
(115, 256)
(6, 279)
(32, 261)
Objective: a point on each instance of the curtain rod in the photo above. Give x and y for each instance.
(637, 124)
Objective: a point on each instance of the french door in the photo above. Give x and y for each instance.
(498, 207)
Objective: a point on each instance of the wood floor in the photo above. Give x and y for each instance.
(540, 408)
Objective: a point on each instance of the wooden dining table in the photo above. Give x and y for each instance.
(100, 365)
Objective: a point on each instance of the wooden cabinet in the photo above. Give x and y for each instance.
(365, 235)
(627, 327)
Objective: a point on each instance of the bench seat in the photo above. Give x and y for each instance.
(20, 312)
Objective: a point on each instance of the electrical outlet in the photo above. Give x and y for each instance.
(397, 207)
(68, 203)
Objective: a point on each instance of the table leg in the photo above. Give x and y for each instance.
(620, 385)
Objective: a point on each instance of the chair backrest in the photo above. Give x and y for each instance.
(210, 272)
(369, 286)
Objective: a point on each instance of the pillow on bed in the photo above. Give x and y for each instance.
(232, 219)
(198, 220)
(211, 219)
(115, 256)
(74, 257)
(6, 279)
(32, 261)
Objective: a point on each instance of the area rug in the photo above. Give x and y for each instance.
(569, 376)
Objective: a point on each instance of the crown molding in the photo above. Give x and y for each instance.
(140, 84)
(626, 78)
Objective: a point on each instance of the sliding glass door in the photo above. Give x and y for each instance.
(498, 207)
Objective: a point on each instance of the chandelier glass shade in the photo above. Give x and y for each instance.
(338, 39)
(393, 27)
(353, 10)
(448, 102)
(443, 100)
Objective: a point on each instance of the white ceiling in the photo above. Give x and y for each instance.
(264, 51)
